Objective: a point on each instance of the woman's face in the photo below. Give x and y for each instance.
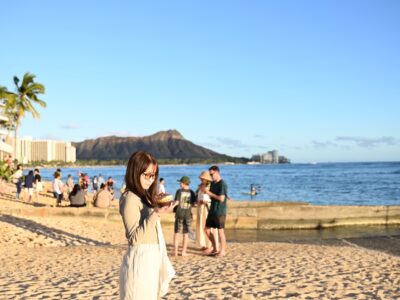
(147, 177)
(203, 181)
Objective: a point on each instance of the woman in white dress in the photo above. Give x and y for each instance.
(145, 271)
(203, 205)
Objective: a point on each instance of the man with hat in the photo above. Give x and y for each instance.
(183, 214)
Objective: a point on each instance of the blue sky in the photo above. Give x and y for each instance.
(316, 80)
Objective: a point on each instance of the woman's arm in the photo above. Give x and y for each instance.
(131, 214)
(220, 198)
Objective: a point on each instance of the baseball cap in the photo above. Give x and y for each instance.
(185, 180)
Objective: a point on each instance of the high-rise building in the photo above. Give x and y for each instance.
(45, 150)
(70, 153)
(270, 157)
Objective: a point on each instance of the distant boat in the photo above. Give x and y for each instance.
(313, 163)
(253, 163)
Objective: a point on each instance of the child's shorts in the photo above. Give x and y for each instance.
(183, 222)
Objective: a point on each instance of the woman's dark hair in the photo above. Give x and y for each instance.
(137, 164)
(75, 189)
(102, 186)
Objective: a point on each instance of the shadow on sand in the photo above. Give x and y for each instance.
(11, 198)
(59, 235)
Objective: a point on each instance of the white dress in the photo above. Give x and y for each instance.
(202, 212)
(146, 270)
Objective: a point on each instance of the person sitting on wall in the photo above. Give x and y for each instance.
(77, 197)
(103, 197)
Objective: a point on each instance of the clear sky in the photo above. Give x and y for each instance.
(317, 80)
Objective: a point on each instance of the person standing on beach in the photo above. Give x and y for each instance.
(145, 270)
(95, 184)
(203, 206)
(38, 184)
(161, 186)
(17, 179)
(70, 184)
(101, 180)
(217, 215)
(185, 198)
(28, 185)
(58, 188)
(110, 185)
(86, 181)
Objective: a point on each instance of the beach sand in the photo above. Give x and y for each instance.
(78, 258)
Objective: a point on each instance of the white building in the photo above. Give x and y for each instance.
(30, 150)
(5, 148)
(44, 150)
(270, 157)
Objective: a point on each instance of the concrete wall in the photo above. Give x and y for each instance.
(256, 215)
(267, 215)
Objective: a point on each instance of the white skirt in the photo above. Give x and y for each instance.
(201, 239)
(145, 271)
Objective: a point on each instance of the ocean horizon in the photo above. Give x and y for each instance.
(346, 183)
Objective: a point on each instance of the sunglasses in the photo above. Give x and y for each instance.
(149, 176)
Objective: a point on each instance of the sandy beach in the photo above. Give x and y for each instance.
(78, 258)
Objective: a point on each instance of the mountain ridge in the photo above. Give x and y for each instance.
(167, 145)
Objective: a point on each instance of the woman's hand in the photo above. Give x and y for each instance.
(166, 209)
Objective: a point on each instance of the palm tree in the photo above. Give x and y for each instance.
(4, 93)
(17, 104)
(6, 96)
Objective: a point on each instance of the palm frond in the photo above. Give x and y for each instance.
(28, 79)
(16, 81)
(37, 88)
(29, 107)
(41, 103)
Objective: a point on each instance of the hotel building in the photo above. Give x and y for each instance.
(29, 150)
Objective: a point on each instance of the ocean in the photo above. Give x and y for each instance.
(371, 183)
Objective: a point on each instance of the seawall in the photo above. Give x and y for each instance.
(252, 215)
